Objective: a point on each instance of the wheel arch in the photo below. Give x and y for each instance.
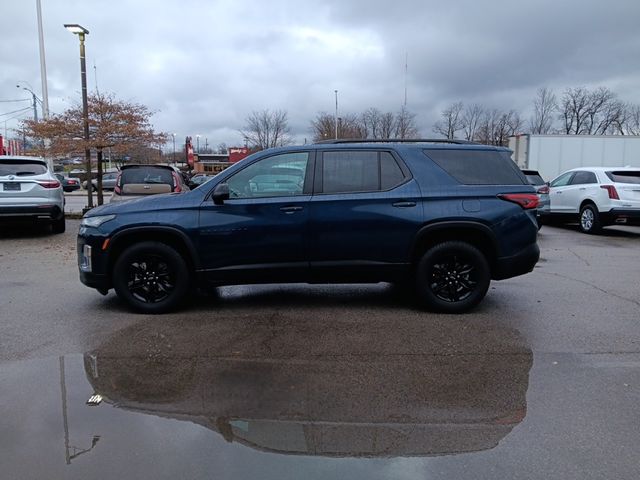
(588, 201)
(474, 233)
(172, 237)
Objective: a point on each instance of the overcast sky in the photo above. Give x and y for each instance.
(203, 66)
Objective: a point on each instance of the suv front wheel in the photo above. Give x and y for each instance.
(452, 277)
(151, 277)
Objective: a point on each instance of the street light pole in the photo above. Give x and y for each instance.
(43, 64)
(174, 148)
(81, 32)
(198, 144)
(35, 99)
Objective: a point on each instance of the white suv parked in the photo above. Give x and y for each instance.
(596, 197)
(29, 190)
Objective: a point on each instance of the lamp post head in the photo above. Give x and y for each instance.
(77, 29)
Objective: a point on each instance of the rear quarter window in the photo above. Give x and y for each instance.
(478, 167)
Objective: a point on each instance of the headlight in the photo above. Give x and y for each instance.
(96, 221)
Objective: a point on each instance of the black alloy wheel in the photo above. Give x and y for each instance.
(151, 277)
(453, 277)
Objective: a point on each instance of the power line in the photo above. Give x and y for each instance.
(21, 100)
(15, 111)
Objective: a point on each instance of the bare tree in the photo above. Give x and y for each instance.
(631, 124)
(545, 107)
(405, 124)
(323, 127)
(371, 121)
(595, 112)
(387, 125)
(496, 127)
(266, 129)
(471, 118)
(451, 121)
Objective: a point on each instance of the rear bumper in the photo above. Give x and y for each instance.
(519, 264)
(45, 212)
(619, 216)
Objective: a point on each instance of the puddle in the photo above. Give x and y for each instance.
(177, 405)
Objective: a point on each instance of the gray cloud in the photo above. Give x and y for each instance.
(204, 66)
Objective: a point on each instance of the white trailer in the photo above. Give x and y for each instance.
(553, 154)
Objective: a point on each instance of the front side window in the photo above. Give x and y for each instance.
(277, 176)
(562, 180)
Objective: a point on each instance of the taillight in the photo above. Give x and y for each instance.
(72, 182)
(611, 190)
(543, 189)
(49, 183)
(525, 200)
(176, 183)
(117, 187)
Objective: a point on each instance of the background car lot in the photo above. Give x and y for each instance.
(575, 317)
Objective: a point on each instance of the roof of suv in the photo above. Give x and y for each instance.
(605, 169)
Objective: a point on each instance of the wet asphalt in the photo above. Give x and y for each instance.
(281, 382)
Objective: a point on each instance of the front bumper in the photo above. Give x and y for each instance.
(92, 263)
(519, 264)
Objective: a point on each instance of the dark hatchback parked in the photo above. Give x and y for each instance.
(443, 217)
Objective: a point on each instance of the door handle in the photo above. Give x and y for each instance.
(291, 209)
(404, 204)
(583, 188)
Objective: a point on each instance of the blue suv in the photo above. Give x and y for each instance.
(441, 217)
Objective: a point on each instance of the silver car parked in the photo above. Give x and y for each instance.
(29, 190)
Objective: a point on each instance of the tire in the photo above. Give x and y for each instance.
(151, 277)
(452, 277)
(59, 225)
(589, 219)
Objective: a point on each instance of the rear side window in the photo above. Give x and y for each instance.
(581, 178)
(478, 167)
(146, 175)
(625, 177)
(21, 167)
(359, 171)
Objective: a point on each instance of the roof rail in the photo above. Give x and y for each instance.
(397, 140)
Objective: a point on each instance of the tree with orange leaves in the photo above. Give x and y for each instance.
(116, 124)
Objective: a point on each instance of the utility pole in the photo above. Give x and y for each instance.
(336, 117)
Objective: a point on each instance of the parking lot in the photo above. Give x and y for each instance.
(542, 380)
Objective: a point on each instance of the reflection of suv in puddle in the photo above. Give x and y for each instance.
(445, 217)
(461, 392)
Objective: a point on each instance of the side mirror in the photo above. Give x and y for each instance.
(220, 193)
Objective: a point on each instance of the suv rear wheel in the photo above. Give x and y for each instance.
(58, 226)
(589, 219)
(452, 277)
(151, 277)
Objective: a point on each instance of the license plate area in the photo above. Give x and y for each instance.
(11, 186)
